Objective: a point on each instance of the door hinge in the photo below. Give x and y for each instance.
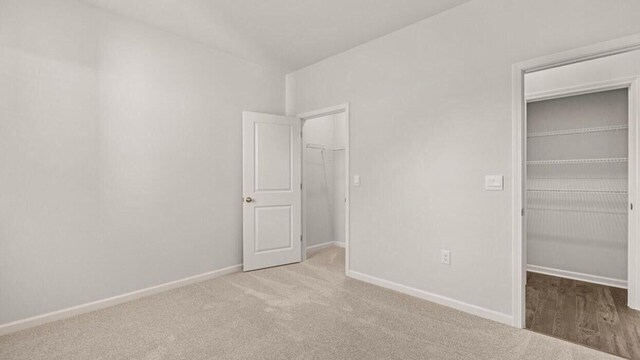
(300, 238)
(300, 186)
(521, 212)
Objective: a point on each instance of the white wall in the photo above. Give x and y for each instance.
(586, 72)
(120, 155)
(430, 117)
(583, 233)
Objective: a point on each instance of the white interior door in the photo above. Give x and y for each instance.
(271, 162)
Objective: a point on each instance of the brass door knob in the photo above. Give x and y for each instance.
(248, 199)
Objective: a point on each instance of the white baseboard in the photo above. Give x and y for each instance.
(578, 276)
(115, 300)
(324, 246)
(435, 298)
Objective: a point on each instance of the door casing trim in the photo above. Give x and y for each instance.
(595, 51)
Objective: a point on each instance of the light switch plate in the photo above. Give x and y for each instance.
(356, 180)
(494, 182)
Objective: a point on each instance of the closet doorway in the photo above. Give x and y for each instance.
(579, 185)
(325, 180)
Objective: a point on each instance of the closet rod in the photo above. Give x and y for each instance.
(323, 147)
(316, 146)
(579, 131)
(577, 161)
(580, 191)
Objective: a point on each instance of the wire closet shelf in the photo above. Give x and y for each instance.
(578, 161)
(579, 131)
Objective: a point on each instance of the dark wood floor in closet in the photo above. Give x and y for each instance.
(593, 315)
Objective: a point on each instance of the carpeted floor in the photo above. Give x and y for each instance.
(301, 311)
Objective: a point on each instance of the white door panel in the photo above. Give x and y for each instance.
(271, 187)
(273, 225)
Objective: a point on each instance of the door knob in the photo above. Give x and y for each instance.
(248, 199)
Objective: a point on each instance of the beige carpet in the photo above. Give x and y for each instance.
(302, 311)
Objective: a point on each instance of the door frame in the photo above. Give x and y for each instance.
(599, 50)
(332, 110)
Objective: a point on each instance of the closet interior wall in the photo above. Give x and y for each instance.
(324, 179)
(577, 184)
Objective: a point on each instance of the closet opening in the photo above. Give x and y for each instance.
(325, 182)
(579, 184)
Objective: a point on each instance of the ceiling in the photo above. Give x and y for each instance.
(286, 34)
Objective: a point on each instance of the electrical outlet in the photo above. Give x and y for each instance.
(445, 257)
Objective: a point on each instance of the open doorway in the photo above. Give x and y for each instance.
(577, 186)
(325, 171)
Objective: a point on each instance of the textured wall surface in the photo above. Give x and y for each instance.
(120, 155)
(430, 117)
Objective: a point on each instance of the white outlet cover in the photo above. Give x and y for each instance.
(445, 257)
